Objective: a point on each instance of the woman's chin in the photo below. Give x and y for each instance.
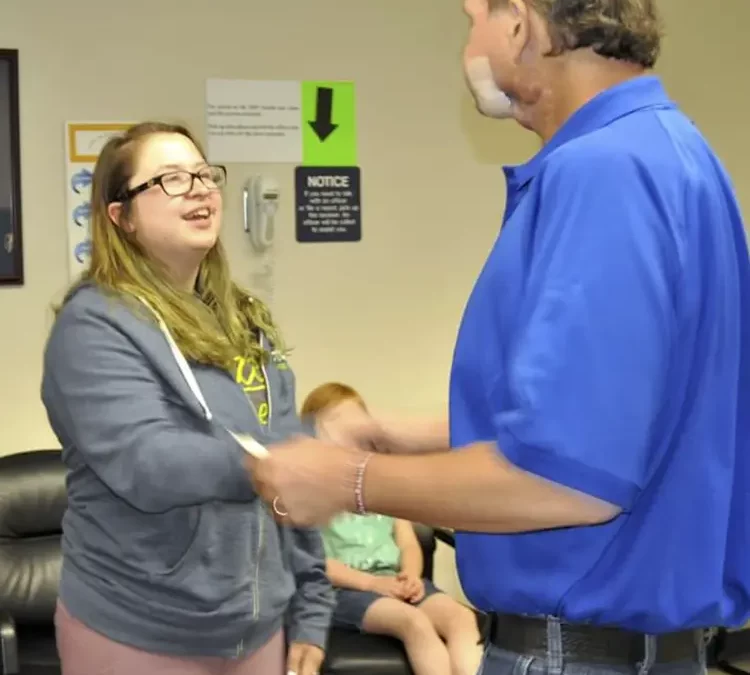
(202, 240)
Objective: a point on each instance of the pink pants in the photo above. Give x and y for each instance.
(86, 652)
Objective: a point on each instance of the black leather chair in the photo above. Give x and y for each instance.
(32, 504)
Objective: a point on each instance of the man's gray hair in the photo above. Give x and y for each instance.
(627, 30)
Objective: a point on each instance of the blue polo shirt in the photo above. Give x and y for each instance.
(606, 347)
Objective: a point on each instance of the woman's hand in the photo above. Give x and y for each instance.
(304, 659)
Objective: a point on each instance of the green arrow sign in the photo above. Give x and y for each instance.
(329, 132)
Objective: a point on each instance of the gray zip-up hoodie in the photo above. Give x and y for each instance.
(166, 547)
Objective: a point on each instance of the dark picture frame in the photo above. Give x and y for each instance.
(11, 233)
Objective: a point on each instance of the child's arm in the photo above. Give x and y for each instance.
(343, 576)
(412, 562)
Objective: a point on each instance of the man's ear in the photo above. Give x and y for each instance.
(115, 212)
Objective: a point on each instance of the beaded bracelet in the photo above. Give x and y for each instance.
(359, 485)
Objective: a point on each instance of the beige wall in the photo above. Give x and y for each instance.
(381, 314)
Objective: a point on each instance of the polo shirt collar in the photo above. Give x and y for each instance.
(627, 97)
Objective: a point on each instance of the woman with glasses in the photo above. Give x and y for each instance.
(157, 368)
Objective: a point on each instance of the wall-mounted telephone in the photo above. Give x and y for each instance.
(260, 201)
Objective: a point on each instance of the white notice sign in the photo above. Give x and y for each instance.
(254, 121)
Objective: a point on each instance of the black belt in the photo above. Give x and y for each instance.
(581, 643)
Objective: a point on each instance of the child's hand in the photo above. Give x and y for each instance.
(390, 587)
(413, 586)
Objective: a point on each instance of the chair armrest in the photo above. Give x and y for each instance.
(446, 536)
(8, 645)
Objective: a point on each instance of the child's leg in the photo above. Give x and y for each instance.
(457, 625)
(426, 651)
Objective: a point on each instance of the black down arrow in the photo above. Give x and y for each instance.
(323, 125)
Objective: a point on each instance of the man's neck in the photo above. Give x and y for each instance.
(578, 77)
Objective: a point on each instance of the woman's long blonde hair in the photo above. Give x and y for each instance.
(212, 326)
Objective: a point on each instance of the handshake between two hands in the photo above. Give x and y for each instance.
(306, 480)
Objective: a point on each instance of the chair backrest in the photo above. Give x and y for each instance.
(33, 500)
(426, 536)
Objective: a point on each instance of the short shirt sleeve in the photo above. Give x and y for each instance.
(585, 380)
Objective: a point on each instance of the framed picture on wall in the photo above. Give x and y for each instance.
(11, 241)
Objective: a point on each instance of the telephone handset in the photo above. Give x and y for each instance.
(260, 201)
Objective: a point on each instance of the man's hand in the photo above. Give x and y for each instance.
(304, 659)
(348, 424)
(414, 587)
(390, 587)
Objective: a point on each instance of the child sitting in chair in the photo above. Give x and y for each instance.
(375, 562)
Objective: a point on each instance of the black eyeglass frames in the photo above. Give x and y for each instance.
(177, 183)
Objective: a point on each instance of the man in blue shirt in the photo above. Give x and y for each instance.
(600, 387)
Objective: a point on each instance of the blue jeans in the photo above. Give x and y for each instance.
(498, 661)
